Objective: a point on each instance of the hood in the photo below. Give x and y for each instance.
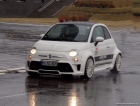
(57, 46)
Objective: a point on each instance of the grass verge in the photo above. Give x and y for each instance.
(30, 20)
(114, 24)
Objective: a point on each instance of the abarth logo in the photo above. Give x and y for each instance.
(104, 57)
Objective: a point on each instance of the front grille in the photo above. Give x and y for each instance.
(62, 67)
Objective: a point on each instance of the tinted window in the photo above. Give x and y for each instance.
(107, 34)
(97, 32)
(68, 32)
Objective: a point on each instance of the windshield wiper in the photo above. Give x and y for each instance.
(70, 40)
(62, 39)
(51, 39)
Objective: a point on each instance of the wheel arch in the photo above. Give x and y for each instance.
(116, 53)
(85, 58)
(86, 73)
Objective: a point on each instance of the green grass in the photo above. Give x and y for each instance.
(30, 20)
(135, 3)
(112, 17)
(91, 11)
(114, 14)
(125, 14)
(136, 11)
(117, 3)
(124, 10)
(136, 7)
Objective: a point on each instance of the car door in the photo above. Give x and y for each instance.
(101, 49)
(109, 40)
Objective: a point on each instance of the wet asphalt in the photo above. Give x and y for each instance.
(104, 89)
(15, 42)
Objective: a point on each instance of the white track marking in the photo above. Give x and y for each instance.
(23, 94)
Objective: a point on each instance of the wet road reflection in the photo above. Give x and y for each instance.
(73, 92)
(103, 89)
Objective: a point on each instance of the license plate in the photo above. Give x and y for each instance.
(49, 63)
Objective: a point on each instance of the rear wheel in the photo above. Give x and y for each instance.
(117, 65)
(89, 68)
(33, 74)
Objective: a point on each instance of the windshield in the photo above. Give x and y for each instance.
(68, 32)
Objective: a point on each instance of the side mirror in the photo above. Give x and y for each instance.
(98, 39)
(42, 35)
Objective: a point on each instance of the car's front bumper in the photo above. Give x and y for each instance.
(61, 69)
(66, 65)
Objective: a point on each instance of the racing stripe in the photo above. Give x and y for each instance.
(103, 64)
(104, 57)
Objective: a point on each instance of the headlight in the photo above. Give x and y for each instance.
(73, 53)
(33, 51)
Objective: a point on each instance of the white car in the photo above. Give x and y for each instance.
(74, 48)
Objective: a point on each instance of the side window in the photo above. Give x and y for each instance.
(107, 34)
(97, 32)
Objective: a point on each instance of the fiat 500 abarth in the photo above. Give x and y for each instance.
(74, 48)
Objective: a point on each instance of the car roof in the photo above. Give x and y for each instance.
(78, 22)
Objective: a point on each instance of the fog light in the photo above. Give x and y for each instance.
(29, 57)
(75, 59)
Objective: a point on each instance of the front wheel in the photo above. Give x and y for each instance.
(89, 68)
(117, 64)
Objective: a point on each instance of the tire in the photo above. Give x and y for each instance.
(33, 74)
(117, 65)
(89, 68)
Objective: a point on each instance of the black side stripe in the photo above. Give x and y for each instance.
(103, 64)
(104, 57)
